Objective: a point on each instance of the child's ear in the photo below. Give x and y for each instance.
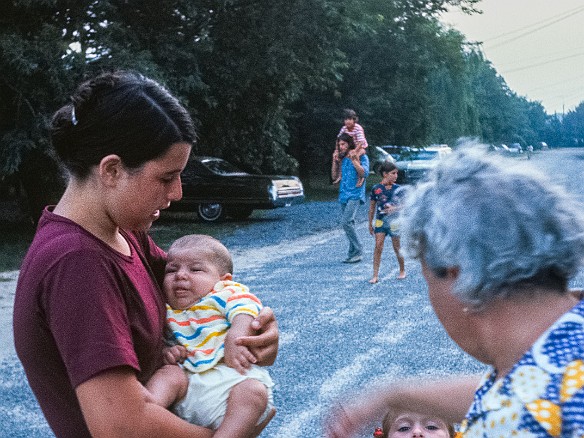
(227, 276)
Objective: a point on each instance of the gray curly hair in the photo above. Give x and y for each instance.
(504, 226)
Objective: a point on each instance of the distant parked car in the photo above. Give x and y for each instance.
(515, 148)
(494, 148)
(502, 149)
(381, 155)
(414, 164)
(395, 151)
(215, 188)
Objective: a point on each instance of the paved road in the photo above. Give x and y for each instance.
(337, 331)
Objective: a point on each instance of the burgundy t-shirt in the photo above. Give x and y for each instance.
(82, 308)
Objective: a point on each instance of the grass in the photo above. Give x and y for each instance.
(14, 243)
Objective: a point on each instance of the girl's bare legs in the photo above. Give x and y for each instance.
(246, 403)
(379, 242)
(396, 248)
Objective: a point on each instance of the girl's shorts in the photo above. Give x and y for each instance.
(390, 228)
(206, 400)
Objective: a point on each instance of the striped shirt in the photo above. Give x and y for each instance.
(202, 328)
(357, 133)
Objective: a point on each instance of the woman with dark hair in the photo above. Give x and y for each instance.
(89, 313)
(498, 244)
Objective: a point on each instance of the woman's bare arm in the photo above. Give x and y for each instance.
(113, 405)
(448, 399)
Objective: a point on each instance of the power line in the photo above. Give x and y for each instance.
(537, 23)
(571, 93)
(564, 17)
(543, 63)
(563, 99)
(562, 82)
(542, 57)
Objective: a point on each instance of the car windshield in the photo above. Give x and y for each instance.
(420, 154)
(221, 167)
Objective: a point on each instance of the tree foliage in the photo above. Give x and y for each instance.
(573, 134)
(265, 81)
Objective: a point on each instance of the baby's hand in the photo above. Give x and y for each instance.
(174, 355)
(239, 358)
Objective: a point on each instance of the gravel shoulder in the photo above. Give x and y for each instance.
(337, 332)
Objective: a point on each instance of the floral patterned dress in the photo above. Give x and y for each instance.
(543, 395)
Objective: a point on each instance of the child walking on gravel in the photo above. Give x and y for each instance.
(386, 198)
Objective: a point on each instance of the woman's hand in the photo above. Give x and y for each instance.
(239, 357)
(264, 343)
(448, 398)
(347, 419)
(390, 208)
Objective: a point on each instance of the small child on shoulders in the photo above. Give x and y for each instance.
(356, 131)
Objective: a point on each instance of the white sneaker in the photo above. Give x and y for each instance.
(354, 259)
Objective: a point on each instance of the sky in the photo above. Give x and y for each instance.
(537, 46)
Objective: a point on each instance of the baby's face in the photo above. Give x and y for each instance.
(412, 424)
(189, 276)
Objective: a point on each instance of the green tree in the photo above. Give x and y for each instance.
(573, 124)
(398, 56)
(261, 58)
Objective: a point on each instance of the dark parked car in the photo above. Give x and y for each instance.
(415, 163)
(215, 188)
(381, 154)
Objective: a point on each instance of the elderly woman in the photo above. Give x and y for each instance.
(497, 245)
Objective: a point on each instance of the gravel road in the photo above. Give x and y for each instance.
(338, 332)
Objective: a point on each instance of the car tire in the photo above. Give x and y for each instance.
(239, 212)
(211, 212)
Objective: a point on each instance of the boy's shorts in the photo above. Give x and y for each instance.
(206, 400)
(390, 228)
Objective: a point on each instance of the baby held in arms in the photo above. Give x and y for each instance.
(217, 383)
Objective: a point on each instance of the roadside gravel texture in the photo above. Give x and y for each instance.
(252, 243)
(337, 332)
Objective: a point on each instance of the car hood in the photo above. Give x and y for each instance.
(417, 164)
(278, 179)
